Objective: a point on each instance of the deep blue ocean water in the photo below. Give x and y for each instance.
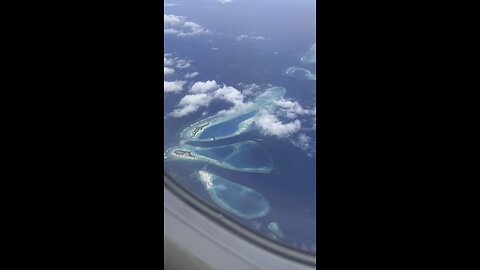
(289, 30)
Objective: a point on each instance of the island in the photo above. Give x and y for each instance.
(300, 73)
(198, 128)
(275, 229)
(227, 125)
(245, 156)
(234, 198)
(311, 55)
(183, 153)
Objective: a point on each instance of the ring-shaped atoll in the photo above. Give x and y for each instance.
(245, 156)
(234, 198)
(227, 125)
(311, 56)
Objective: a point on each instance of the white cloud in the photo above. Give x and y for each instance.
(175, 86)
(172, 20)
(229, 94)
(191, 103)
(168, 71)
(286, 121)
(191, 75)
(182, 63)
(225, 1)
(203, 87)
(250, 90)
(177, 62)
(269, 124)
(178, 25)
(242, 37)
(170, 64)
(171, 31)
(292, 109)
(203, 93)
(306, 144)
(303, 142)
(233, 96)
(168, 61)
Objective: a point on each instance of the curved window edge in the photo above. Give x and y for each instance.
(235, 227)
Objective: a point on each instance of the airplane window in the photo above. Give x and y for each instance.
(240, 111)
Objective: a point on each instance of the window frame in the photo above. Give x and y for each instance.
(236, 228)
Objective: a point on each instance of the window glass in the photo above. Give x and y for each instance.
(240, 111)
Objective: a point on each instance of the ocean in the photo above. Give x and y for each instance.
(251, 42)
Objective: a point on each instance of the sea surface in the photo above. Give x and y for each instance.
(279, 34)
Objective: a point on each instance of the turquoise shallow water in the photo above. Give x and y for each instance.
(289, 189)
(300, 73)
(226, 128)
(237, 199)
(219, 153)
(244, 156)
